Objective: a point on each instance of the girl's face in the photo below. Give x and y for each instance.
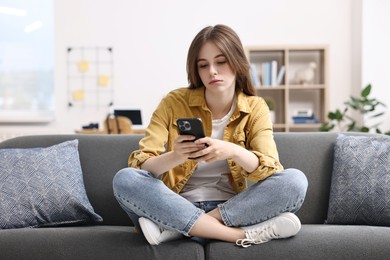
(214, 69)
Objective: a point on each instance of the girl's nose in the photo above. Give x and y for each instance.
(213, 71)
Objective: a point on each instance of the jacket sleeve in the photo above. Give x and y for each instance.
(260, 141)
(155, 139)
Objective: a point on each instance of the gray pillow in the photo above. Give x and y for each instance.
(43, 187)
(360, 188)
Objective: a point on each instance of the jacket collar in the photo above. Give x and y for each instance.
(197, 98)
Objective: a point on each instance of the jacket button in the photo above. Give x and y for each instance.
(240, 184)
(233, 164)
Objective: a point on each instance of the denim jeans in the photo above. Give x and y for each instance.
(142, 195)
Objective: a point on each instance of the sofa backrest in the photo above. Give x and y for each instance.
(103, 155)
(312, 153)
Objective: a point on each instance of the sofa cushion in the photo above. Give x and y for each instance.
(360, 188)
(97, 242)
(319, 242)
(43, 187)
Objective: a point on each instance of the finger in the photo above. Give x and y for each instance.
(209, 159)
(185, 138)
(205, 158)
(206, 141)
(200, 153)
(191, 145)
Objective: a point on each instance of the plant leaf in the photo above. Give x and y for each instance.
(366, 91)
(377, 115)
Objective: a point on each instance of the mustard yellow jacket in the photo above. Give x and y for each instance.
(249, 127)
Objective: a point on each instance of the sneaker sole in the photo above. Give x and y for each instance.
(143, 222)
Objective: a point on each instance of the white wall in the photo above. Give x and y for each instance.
(151, 37)
(376, 52)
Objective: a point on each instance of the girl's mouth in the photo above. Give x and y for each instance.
(215, 81)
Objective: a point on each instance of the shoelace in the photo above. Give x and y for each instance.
(258, 236)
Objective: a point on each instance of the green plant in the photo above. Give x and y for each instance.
(364, 105)
(270, 102)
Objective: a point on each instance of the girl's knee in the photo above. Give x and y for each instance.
(126, 178)
(120, 177)
(300, 177)
(296, 179)
(296, 186)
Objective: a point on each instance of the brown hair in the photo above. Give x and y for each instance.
(230, 45)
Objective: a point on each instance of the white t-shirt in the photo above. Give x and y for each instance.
(210, 181)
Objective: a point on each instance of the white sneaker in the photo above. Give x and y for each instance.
(155, 234)
(282, 226)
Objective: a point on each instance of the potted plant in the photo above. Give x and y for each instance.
(364, 105)
(271, 105)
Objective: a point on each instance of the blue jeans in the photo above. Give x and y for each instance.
(142, 195)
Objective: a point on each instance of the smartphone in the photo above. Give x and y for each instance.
(191, 126)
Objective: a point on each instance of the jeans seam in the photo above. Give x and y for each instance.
(192, 222)
(225, 217)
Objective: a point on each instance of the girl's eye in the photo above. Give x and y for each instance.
(201, 66)
(221, 62)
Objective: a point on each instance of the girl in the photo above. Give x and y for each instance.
(169, 195)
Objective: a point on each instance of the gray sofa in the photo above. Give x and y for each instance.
(103, 155)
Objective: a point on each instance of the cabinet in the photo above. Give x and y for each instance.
(294, 82)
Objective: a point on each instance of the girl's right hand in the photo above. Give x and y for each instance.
(184, 146)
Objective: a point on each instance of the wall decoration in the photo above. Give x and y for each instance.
(90, 77)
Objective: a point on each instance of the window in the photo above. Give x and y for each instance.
(26, 61)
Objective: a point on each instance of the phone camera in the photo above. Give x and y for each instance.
(185, 126)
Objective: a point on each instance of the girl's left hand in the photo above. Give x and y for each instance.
(215, 150)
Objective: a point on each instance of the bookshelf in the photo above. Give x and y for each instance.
(294, 78)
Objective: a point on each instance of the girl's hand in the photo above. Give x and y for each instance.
(215, 150)
(184, 147)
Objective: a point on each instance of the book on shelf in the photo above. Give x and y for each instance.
(304, 116)
(280, 76)
(305, 119)
(266, 73)
(254, 75)
(274, 72)
(269, 74)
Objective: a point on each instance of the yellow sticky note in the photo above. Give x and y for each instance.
(103, 80)
(83, 66)
(78, 95)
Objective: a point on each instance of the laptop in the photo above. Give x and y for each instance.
(134, 115)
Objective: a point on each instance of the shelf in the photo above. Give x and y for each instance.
(271, 88)
(297, 125)
(307, 86)
(282, 87)
(293, 78)
(304, 126)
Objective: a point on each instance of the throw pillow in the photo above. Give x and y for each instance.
(360, 187)
(43, 187)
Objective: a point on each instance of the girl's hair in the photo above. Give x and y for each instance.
(231, 47)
